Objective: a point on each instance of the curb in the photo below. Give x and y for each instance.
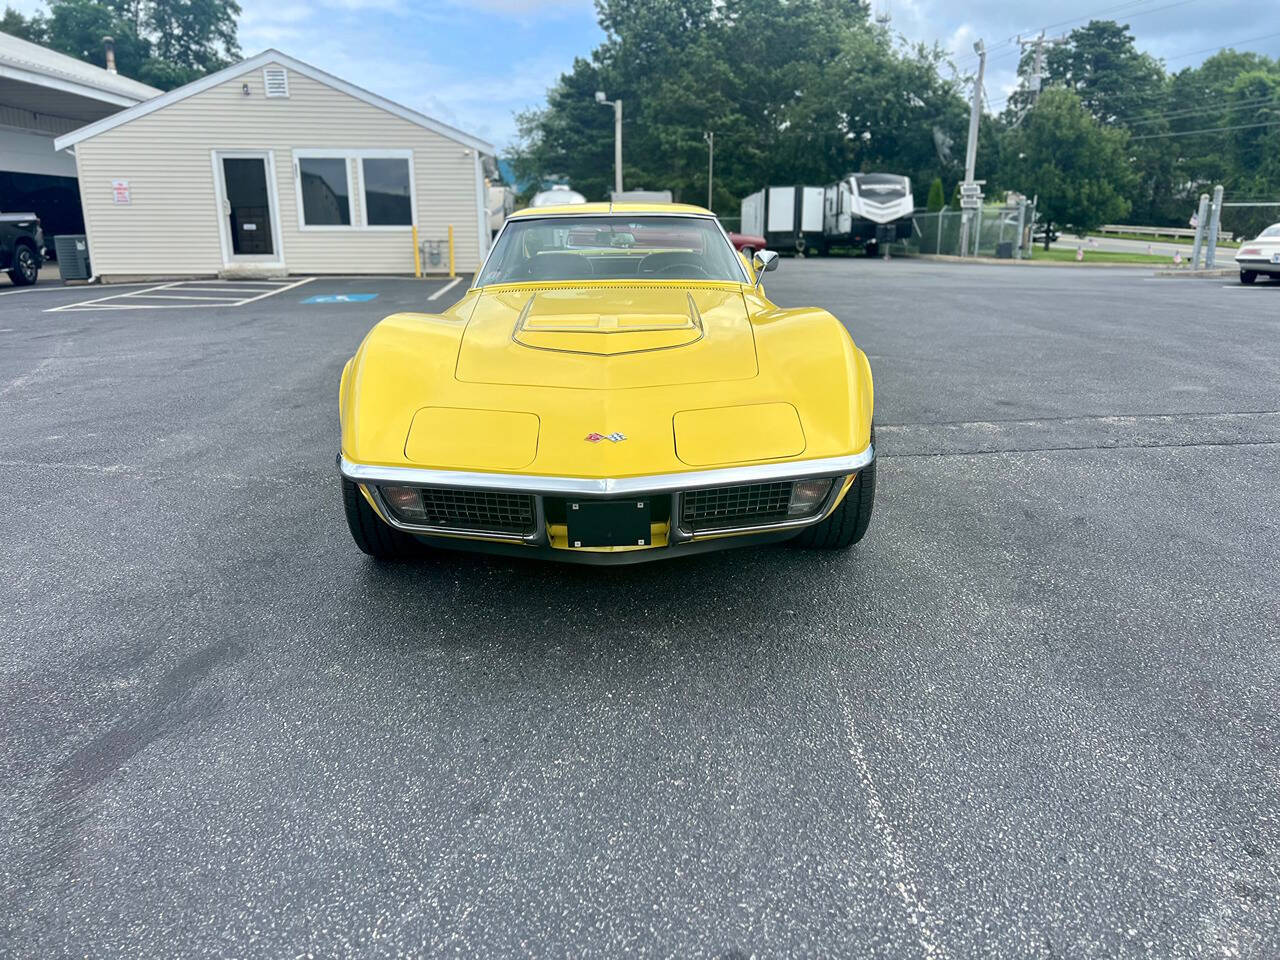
(1200, 274)
(992, 261)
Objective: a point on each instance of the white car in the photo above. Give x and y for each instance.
(1260, 255)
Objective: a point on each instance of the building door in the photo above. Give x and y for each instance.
(248, 209)
(247, 206)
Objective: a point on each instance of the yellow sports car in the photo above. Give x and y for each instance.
(614, 387)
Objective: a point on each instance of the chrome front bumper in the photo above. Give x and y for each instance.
(670, 484)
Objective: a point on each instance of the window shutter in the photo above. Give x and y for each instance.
(276, 81)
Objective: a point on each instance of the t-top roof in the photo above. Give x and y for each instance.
(253, 63)
(34, 64)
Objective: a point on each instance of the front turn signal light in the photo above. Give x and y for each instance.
(405, 502)
(807, 496)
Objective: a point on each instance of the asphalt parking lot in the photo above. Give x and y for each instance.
(1033, 714)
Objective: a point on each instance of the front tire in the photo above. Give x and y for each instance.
(1248, 276)
(25, 270)
(848, 522)
(371, 533)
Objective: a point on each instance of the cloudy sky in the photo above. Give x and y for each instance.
(474, 63)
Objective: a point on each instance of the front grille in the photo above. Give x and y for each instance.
(489, 511)
(720, 507)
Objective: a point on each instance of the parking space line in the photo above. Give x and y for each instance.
(446, 288)
(215, 298)
(223, 296)
(61, 289)
(272, 293)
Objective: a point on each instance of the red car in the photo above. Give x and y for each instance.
(745, 243)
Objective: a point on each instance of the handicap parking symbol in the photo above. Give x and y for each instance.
(340, 298)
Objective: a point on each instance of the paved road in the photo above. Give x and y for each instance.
(1033, 714)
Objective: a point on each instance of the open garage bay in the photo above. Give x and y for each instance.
(1032, 714)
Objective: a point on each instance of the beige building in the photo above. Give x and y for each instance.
(274, 167)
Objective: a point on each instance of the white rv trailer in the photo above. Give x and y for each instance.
(789, 218)
(558, 194)
(501, 200)
(868, 209)
(640, 196)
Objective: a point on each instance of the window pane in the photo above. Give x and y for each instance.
(386, 192)
(324, 192)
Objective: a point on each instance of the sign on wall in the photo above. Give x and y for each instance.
(120, 191)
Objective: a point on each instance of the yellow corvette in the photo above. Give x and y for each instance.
(614, 387)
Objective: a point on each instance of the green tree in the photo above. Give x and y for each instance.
(76, 28)
(937, 197)
(165, 43)
(24, 28)
(797, 91)
(1079, 168)
(198, 35)
(1122, 86)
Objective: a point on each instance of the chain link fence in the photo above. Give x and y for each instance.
(1003, 231)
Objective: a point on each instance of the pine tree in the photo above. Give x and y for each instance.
(937, 197)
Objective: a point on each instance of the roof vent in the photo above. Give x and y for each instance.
(276, 81)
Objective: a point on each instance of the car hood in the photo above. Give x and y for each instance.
(608, 337)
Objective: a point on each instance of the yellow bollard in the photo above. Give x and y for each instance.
(451, 271)
(417, 256)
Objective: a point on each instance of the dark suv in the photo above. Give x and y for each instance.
(21, 247)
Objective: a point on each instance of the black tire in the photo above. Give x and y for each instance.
(1248, 276)
(25, 270)
(371, 533)
(848, 522)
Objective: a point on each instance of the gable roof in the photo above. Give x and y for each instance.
(32, 63)
(263, 58)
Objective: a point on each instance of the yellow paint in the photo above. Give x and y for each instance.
(603, 357)
(558, 535)
(472, 439)
(722, 436)
(452, 273)
(417, 255)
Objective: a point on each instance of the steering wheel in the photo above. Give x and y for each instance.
(681, 271)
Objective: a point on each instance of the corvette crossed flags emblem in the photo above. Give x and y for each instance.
(597, 437)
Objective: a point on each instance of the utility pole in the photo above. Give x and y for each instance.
(970, 189)
(617, 138)
(1215, 220)
(1035, 82)
(710, 137)
(1202, 224)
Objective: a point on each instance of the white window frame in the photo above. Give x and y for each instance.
(407, 156)
(355, 188)
(322, 154)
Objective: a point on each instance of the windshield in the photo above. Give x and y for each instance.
(611, 248)
(1271, 231)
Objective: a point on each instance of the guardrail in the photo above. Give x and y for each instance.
(1157, 232)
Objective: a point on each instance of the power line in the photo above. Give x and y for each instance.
(1180, 56)
(1093, 16)
(1146, 118)
(1190, 133)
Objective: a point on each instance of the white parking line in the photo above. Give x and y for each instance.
(227, 294)
(446, 288)
(48, 289)
(215, 298)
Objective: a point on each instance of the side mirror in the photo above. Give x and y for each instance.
(763, 262)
